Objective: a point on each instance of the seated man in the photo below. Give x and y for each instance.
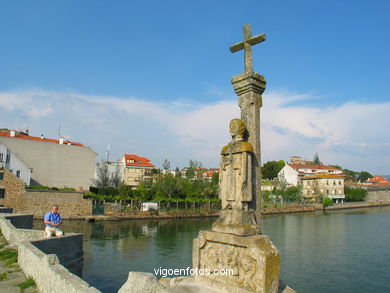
(53, 220)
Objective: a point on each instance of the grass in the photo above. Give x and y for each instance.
(27, 284)
(9, 256)
(4, 276)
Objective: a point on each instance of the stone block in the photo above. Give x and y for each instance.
(249, 264)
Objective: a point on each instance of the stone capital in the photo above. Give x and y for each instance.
(248, 82)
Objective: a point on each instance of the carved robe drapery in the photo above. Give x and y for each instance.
(236, 184)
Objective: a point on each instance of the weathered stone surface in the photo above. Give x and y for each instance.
(39, 202)
(246, 45)
(249, 87)
(253, 260)
(236, 183)
(237, 222)
(139, 282)
(13, 186)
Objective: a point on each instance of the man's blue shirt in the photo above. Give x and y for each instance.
(52, 217)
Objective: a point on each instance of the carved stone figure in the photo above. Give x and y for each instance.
(247, 272)
(236, 182)
(228, 258)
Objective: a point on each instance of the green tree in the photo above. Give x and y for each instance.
(271, 169)
(166, 164)
(354, 194)
(102, 175)
(326, 202)
(293, 193)
(350, 175)
(193, 169)
(316, 159)
(115, 177)
(363, 176)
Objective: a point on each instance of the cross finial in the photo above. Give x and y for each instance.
(247, 44)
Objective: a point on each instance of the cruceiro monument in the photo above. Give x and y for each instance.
(235, 241)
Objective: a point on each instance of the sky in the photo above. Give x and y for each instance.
(152, 78)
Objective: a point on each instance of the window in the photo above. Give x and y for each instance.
(1, 176)
(1, 157)
(18, 173)
(327, 191)
(7, 158)
(2, 192)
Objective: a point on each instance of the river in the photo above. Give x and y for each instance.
(337, 252)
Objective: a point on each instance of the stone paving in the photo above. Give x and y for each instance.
(12, 278)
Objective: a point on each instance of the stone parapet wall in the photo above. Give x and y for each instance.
(47, 260)
(49, 275)
(16, 236)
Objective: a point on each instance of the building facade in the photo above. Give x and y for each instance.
(318, 186)
(54, 163)
(14, 164)
(292, 173)
(136, 169)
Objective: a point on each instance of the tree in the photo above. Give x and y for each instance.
(351, 175)
(102, 175)
(193, 168)
(166, 165)
(316, 159)
(326, 202)
(177, 172)
(293, 193)
(354, 194)
(115, 177)
(271, 169)
(363, 176)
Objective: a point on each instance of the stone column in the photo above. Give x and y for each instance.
(249, 87)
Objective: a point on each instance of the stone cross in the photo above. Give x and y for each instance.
(249, 86)
(246, 45)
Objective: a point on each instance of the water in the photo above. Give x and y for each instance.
(339, 252)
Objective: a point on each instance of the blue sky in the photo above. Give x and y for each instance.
(153, 77)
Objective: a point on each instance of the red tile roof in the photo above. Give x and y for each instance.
(377, 179)
(382, 184)
(323, 175)
(312, 166)
(134, 160)
(36, 138)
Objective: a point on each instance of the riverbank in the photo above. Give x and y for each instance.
(172, 214)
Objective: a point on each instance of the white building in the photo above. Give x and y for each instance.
(14, 164)
(54, 163)
(292, 173)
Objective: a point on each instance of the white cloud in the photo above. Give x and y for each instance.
(353, 134)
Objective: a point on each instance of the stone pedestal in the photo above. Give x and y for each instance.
(236, 264)
(237, 222)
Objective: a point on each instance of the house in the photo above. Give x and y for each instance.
(294, 171)
(14, 164)
(54, 163)
(317, 186)
(136, 169)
